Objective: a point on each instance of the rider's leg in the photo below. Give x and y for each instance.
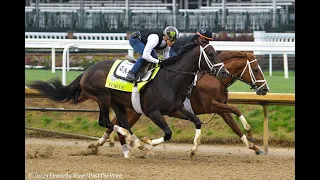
(138, 47)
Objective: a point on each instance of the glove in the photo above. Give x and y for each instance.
(160, 63)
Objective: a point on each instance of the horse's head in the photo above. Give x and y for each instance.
(210, 60)
(245, 67)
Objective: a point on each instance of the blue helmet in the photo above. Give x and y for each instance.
(205, 33)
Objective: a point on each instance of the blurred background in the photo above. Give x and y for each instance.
(106, 16)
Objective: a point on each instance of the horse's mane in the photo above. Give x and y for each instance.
(183, 50)
(187, 47)
(226, 55)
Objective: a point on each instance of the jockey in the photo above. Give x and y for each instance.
(203, 33)
(177, 48)
(146, 41)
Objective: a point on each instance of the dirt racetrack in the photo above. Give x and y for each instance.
(71, 159)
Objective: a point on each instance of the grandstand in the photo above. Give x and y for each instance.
(187, 15)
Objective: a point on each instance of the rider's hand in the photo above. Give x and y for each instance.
(161, 63)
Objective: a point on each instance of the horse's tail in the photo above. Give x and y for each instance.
(55, 90)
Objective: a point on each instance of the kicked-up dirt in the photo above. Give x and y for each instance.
(71, 159)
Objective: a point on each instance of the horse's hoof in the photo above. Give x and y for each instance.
(259, 152)
(91, 145)
(192, 153)
(139, 144)
(111, 144)
(96, 144)
(126, 154)
(145, 140)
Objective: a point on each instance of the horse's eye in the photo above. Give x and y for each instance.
(210, 54)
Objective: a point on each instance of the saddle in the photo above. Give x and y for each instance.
(117, 80)
(145, 71)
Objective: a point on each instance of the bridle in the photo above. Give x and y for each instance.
(253, 82)
(209, 64)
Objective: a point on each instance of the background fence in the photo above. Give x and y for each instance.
(264, 43)
(115, 16)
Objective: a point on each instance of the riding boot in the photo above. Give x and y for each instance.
(131, 76)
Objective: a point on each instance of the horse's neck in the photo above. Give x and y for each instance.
(235, 68)
(187, 63)
(180, 75)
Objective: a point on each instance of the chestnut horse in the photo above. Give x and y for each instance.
(210, 95)
(163, 95)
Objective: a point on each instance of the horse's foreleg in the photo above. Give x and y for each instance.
(219, 107)
(227, 117)
(183, 113)
(159, 120)
(247, 127)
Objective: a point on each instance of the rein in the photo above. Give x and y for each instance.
(235, 78)
(209, 120)
(189, 90)
(209, 64)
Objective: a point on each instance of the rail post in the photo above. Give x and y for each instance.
(265, 129)
(64, 60)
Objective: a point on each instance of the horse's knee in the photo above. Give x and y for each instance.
(167, 136)
(198, 124)
(102, 123)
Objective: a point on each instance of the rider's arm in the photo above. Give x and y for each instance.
(152, 42)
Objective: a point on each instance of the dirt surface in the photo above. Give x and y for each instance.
(71, 159)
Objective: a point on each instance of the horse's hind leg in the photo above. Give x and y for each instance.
(106, 135)
(227, 117)
(218, 107)
(104, 109)
(104, 120)
(133, 117)
(121, 115)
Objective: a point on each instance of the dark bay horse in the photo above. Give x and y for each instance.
(163, 95)
(210, 95)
